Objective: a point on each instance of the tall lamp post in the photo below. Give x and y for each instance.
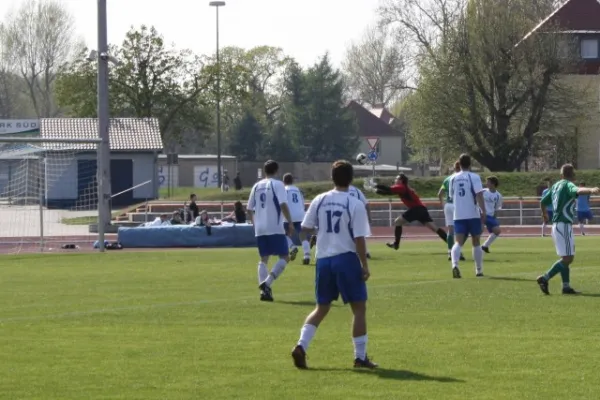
(218, 4)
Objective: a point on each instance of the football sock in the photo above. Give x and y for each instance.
(360, 347)
(263, 272)
(455, 253)
(556, 268)
(565, 275)
(290, 242)
(306, 335)
(490, 240)
(398, 234)
(450, 241)
(543, 227)
(581, 227)
(442, 234)
(306, 249)
(276, 271)
(478, 257)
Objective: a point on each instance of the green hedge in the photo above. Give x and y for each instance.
(511, 184)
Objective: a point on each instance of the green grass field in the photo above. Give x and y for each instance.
(188, 325)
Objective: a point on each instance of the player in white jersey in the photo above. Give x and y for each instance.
(466, 192)
(493, 203)
(266, 203)
(296, 206)
(342, 266)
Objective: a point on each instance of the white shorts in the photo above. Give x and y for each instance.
(449, 214)
(564, 240)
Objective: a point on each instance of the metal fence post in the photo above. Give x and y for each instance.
(520, 211)
(221, 217)
(389, 212)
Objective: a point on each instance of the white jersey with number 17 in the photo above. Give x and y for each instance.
(341, 218)
(463, 189)
(295, 203)
(266, 198)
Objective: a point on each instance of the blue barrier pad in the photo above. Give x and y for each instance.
(239, 235)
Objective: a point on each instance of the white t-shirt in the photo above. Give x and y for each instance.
(265, 201)
(295, 201)
(355, 192)
(341, 218)
(464, 187)
(493, 201)
(158, 222)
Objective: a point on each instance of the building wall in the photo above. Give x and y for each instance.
(389, 149)
(197, 172)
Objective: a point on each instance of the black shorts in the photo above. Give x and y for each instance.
(419, 213)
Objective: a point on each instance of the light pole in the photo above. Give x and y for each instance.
(218, 4)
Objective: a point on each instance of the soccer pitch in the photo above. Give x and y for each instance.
(188, 325)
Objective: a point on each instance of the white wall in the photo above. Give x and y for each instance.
(390, 150)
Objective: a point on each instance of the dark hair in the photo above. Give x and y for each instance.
(342, 173)
(271, 167)
(567, 171)
(237, 206)
(494, 180)
(465, 161)
(457, 166)
(288, 179)
(192, 196)
(403, 178)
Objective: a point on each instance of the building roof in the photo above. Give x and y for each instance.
(370, 124)
(125, 134)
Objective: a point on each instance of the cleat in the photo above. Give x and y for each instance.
(306, 261)
(299, 356)
(462, 258)
(266, 294)
(456, 273)
(366, 363)
(479, 275)
(393, 246)
(543, 284)
(570, 290)
(369, 256)
(293, 253)
(449, 258)
(486, 249)
(582, 233)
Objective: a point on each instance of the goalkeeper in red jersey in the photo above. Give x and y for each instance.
(416, 210)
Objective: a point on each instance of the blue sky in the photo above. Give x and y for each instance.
(304, 29)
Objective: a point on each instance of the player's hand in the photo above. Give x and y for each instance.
(595, 190)
(366, 273)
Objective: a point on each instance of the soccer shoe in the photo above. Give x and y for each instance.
(293, 253)
(306, 261)
(266, 294)
(479, 275)
(456, 273)
(582, 233)
(393, 246)
(299, 356)
(543, 284)
(449, 257)
(366, 363)
(570, 290)
(369, 256)
(462, 258)
(486, 249)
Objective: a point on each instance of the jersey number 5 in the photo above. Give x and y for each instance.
(263, 199)
(461, 190)
(333, 226)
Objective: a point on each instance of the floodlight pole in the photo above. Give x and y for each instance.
(103, 163)
(216, 5)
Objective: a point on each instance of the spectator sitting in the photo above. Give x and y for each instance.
(176, 218)
(193, 207)
(204, 220)
(238, 215)
(163, 220)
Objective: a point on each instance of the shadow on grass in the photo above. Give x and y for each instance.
(589, 294)
(396, 374)
(302, 303)
(510, 278)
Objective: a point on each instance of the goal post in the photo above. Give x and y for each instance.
(48, 194)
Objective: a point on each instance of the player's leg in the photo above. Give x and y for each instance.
(406, 218)
(493, 227)
(461, 230)
(326, 291)
(581, 216)
(475, 230)
(277, 246)
(305, 244)
(291, 246)
(550, 215)
(449, 217)
(564, 242)
(263, 270)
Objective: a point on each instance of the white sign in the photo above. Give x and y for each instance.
(373, 141)
(168, 174)
(12, 126)
(206, 176)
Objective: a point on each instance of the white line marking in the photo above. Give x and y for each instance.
(213, 301)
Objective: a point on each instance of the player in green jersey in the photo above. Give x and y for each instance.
(448, 207)
(562, 196)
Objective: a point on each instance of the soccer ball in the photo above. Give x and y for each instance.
(361, 158)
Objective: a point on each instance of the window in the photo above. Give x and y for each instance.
(589, 48)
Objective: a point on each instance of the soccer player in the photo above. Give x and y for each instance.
(416, 210)
(548, 209)
(295, 201)
(266, 203)
(584, 213)
(448, 207)
(466, 192)
(493, 203)
(562, 195)
(342, 266)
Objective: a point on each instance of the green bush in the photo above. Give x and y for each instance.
(512, 184)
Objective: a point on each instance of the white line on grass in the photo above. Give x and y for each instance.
(212, 301)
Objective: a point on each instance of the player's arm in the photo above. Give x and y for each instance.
(310, 222)
(441, 194)
(360, 228)
(583, 191)
(251, 205)
(545, 202)
(478, 189)
(281, 195)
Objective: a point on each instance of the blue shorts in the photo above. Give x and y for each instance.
(297, 226)
(583, 215)
(341, 274)
(550, 214)
(468, 227)
(272, 245)
(491, 223)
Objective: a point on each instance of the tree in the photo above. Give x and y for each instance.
(152, 80)
(376, 67)
(246, 138)
(40, 35)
